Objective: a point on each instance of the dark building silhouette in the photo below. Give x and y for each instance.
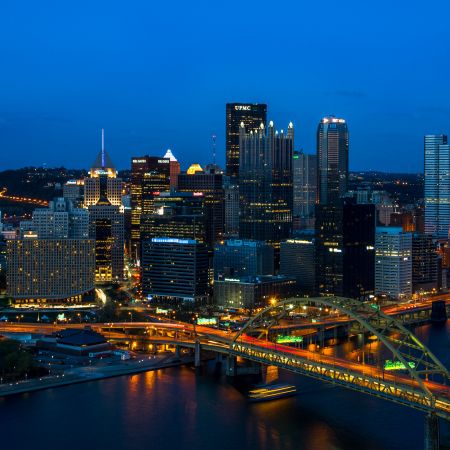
(211, 184)
(345, 242)
(265, 184)
(251, 115)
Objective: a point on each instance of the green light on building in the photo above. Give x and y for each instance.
(397, 365)
(288, 339)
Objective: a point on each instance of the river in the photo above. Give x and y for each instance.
(177, 408)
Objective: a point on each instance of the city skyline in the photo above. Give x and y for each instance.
(130, 74)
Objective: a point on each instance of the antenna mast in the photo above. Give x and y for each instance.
(214, 148)
(103, 148)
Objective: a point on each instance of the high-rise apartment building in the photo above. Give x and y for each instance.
(265, 184)
(304, 168)
(332, 160)
(252, 115)
(437, 185)
(393, 262)
(150, 175)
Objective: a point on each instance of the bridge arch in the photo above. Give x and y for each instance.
(391, 333)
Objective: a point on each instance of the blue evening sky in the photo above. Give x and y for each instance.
(157, 75)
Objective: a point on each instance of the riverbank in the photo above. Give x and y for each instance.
(93, 373)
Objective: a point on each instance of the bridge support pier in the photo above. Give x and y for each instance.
(231, 366)
(431, 432)
(177, 351)
(197, 359)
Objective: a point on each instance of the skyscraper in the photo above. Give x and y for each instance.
(251, 115)
(345, 237)
(210, 184)
(265, 184)
(332, 160)
(393, 262)
(437, 185)
(150, 175)
(174, 271)
(176, 215)
(174, 168)
(102, 168)
(305, 189)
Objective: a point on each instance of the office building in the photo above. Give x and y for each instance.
(252, 115)
(252, 292)
(59, 221)
(297, 260)
(106, 227)
(174, 168)
(240, 258)
(73, 190)
(332, 160)
(304, 168)
(210, 184)
(50, 271)
(231, 192)
(393, 262)
(174, 271)
(426, 263)
(345, 238)
(176, 215)
(437, 185)
(265, 184)
(359, 225)
(150, 175)
(102, 173)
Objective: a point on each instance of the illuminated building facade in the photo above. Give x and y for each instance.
(210, 184)
(393, 262)
(176, 215)
(150, 175)
(107, 229)
(252, 292)
(103, 172)
(265, 184)
(50, 271)
(252, 115)
(332, 160)
(174, 271)
(437, 185)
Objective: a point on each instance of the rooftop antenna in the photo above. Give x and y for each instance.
(214, 148)
(103, 148)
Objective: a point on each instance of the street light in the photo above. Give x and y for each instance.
(131, 314)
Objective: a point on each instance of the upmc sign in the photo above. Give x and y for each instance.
(243, 107)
